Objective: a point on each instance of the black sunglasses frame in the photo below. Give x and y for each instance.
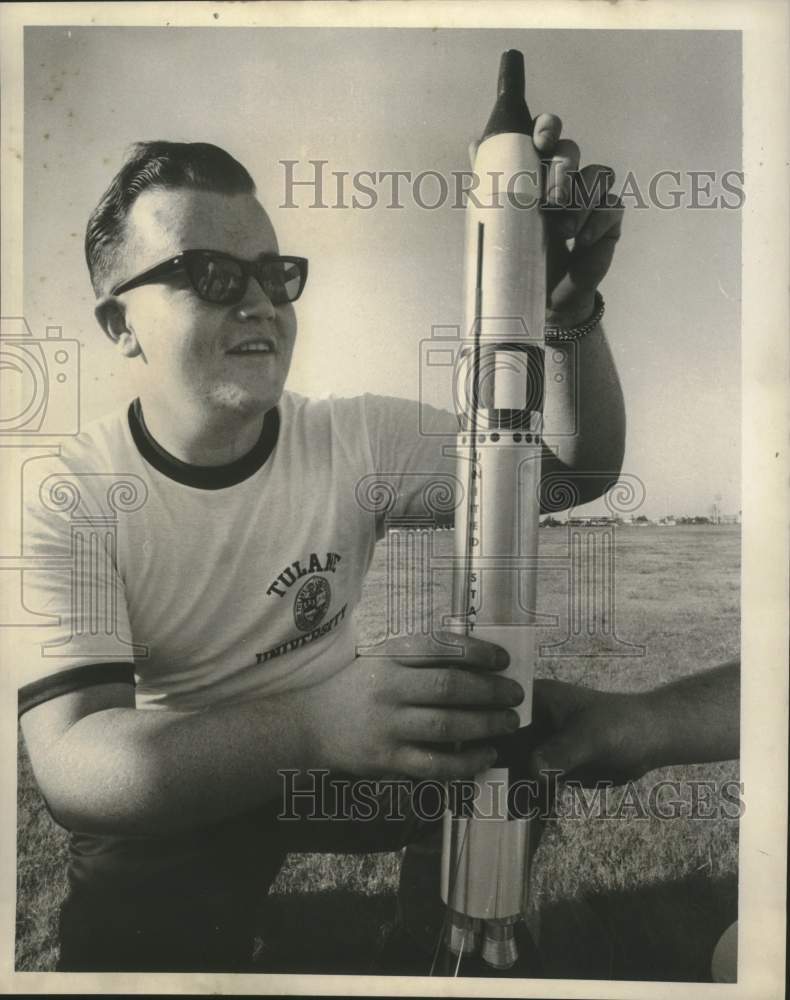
(249, 268)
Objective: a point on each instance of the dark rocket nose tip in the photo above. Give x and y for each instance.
(510, 113)
(511, 75)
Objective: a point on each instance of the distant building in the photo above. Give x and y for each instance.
(552, 522)
(592, 521)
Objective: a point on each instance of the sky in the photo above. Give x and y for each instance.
(381, 278)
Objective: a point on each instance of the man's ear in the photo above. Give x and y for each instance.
(111, 315)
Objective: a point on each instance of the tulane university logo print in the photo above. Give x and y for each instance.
(314, 595)
(312, 603)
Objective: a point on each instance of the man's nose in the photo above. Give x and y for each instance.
(256, 302)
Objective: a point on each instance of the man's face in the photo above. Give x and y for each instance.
(191, 348)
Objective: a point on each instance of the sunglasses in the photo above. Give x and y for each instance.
(222, 279)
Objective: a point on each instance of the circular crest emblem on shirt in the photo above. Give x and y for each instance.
(312, 603)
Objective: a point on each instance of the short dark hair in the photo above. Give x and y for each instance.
(150, 166)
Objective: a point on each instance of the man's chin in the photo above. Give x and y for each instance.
(239, 402)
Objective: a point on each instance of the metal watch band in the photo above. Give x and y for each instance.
(556, 333)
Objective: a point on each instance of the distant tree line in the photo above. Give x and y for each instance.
(552, 522)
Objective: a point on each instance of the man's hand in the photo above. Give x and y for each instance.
(406, 713)
(594, 736)
(589, 736)
(579, 206)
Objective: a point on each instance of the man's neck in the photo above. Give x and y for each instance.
(201, 440)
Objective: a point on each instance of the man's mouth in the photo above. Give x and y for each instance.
(257, 345)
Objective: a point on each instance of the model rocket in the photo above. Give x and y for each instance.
(499, 398)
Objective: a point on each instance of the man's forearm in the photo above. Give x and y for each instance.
(584, 417)
(694, 720)
(147, 773)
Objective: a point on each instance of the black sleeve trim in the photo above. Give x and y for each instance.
(65, 681)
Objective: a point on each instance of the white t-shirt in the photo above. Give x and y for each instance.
(208, 585)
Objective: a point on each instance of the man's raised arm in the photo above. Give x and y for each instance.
(583, 409)
(589, 399)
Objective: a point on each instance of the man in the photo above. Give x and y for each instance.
(232, 586)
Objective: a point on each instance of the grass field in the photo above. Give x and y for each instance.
(634, 889)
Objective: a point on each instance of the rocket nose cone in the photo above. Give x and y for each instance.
(510, 112)
(511, 74)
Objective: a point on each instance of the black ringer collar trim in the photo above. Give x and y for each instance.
(204, 477)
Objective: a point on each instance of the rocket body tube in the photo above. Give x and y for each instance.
(499, 398)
